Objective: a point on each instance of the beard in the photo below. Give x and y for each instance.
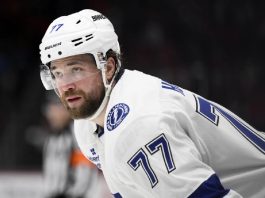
(90, 105)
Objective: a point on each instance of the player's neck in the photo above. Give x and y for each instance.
(100, 118)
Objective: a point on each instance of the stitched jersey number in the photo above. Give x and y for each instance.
(207, 110)
(140, 158)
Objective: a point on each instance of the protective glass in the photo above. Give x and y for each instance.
(59, 78)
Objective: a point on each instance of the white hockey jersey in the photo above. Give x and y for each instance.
(161, 140)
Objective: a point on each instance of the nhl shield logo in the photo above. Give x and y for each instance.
(117, 115)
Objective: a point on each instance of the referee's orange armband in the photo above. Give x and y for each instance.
(77, 158)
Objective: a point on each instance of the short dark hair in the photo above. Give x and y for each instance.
(118, 60)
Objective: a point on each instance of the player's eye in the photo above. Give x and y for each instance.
(77, 69)
(57, 74)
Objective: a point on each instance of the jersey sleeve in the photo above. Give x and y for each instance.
(155, 157)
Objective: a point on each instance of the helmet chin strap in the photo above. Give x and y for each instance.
(108, 89)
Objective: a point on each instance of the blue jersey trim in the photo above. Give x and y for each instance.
(211, 188)
(117, 195)
(167, 85)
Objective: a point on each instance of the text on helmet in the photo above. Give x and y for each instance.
(98, 17)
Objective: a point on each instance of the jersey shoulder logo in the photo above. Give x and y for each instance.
(117, 115)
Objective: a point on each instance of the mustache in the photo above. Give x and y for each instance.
(72, 92)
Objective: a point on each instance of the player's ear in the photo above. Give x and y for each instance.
(110, 68)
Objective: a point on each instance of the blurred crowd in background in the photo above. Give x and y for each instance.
(212, 47)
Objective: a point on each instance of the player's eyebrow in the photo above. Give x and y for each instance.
(53, 67)
(73, 63)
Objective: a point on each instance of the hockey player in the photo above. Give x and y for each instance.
(150, 138)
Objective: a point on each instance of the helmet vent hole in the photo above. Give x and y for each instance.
(78, 39)
(78, 21)
(60, 53)
(78, 43)
(88, 37)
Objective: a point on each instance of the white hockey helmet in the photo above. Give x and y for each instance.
(87, 31)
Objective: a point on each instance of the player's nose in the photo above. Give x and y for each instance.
(68, 86)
